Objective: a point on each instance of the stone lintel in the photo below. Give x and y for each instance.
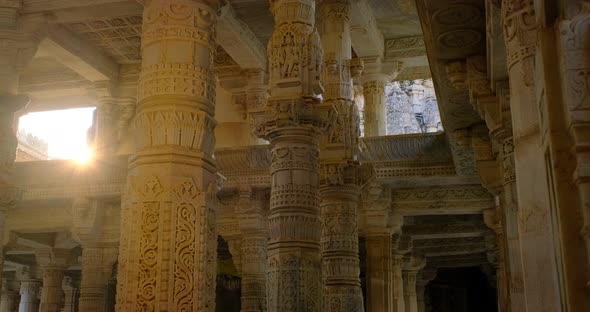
(367, 39)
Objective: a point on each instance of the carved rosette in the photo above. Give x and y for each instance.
(168, 250)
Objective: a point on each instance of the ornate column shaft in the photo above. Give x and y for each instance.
(339, 188)
(293, 122)
(379, 265)
(412, 265)
(575, 70)
(167, 251)
(29, 293)
(97, 266)
(375, 113)
(53, 263)
(254, 228)
(535, 229)
(397, 282)
(71, 294)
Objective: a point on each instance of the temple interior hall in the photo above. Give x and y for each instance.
(295, 155)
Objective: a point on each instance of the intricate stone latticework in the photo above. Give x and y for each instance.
(292, 123)
(167, 252)
(531, 186)
(97, 266)
(53, 263)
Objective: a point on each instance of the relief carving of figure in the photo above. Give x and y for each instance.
(289, 57)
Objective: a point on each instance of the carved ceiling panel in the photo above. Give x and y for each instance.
(120, 37)
(453, 30)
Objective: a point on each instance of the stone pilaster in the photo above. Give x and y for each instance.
(97, 266)
(375, 78)
(540, 280)
(293, 122)
(53, 263)
(493, 219)
(29, 295)
(71, 289)
(412, 265)
(254, 228)
(424, 277)
(167, 251)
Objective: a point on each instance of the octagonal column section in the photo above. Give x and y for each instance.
(293, 121)
(97, 266)
(535, 226)
(167, 250)
(253, 223)
(53, 263)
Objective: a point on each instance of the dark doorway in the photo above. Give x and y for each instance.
(462, 290)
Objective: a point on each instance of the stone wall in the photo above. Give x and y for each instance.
(412, 107)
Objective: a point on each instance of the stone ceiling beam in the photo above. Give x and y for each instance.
(451, 250)
(36, 6)
(104, 10)
(75, 53)
(439, 231)
(367, 39)
(239, 41)
(458, 261)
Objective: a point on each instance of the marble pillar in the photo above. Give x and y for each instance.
(397, 281)
(167, 251)
(534, 218)
(29, 295)
(411, 267)
(339, 190)
(97, 265)
(292, 123)
(378, 276)
(254, 243)
(375, 112)
(53, 263)
(71, 289)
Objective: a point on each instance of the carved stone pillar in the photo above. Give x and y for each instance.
(374, 112)
(379, 265)
(493, 219)
(8, 298)
(540, 280)
(575, 72)
(339, 188)
(29, 295)
(97, 266)
(71, 289)
(293, 122)
(401, 246)
(424, 277)
(167, 251)
(53, 263)
(254, 228)
(376, 76)
(412, 265)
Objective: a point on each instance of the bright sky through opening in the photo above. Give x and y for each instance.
(65, 131)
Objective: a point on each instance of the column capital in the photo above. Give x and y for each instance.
(49, 258)
(375, 69)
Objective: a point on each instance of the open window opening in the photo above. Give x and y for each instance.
(58, 134)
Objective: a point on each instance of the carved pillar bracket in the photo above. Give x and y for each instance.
(53, 263)
(168, 250)
(376, 76)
